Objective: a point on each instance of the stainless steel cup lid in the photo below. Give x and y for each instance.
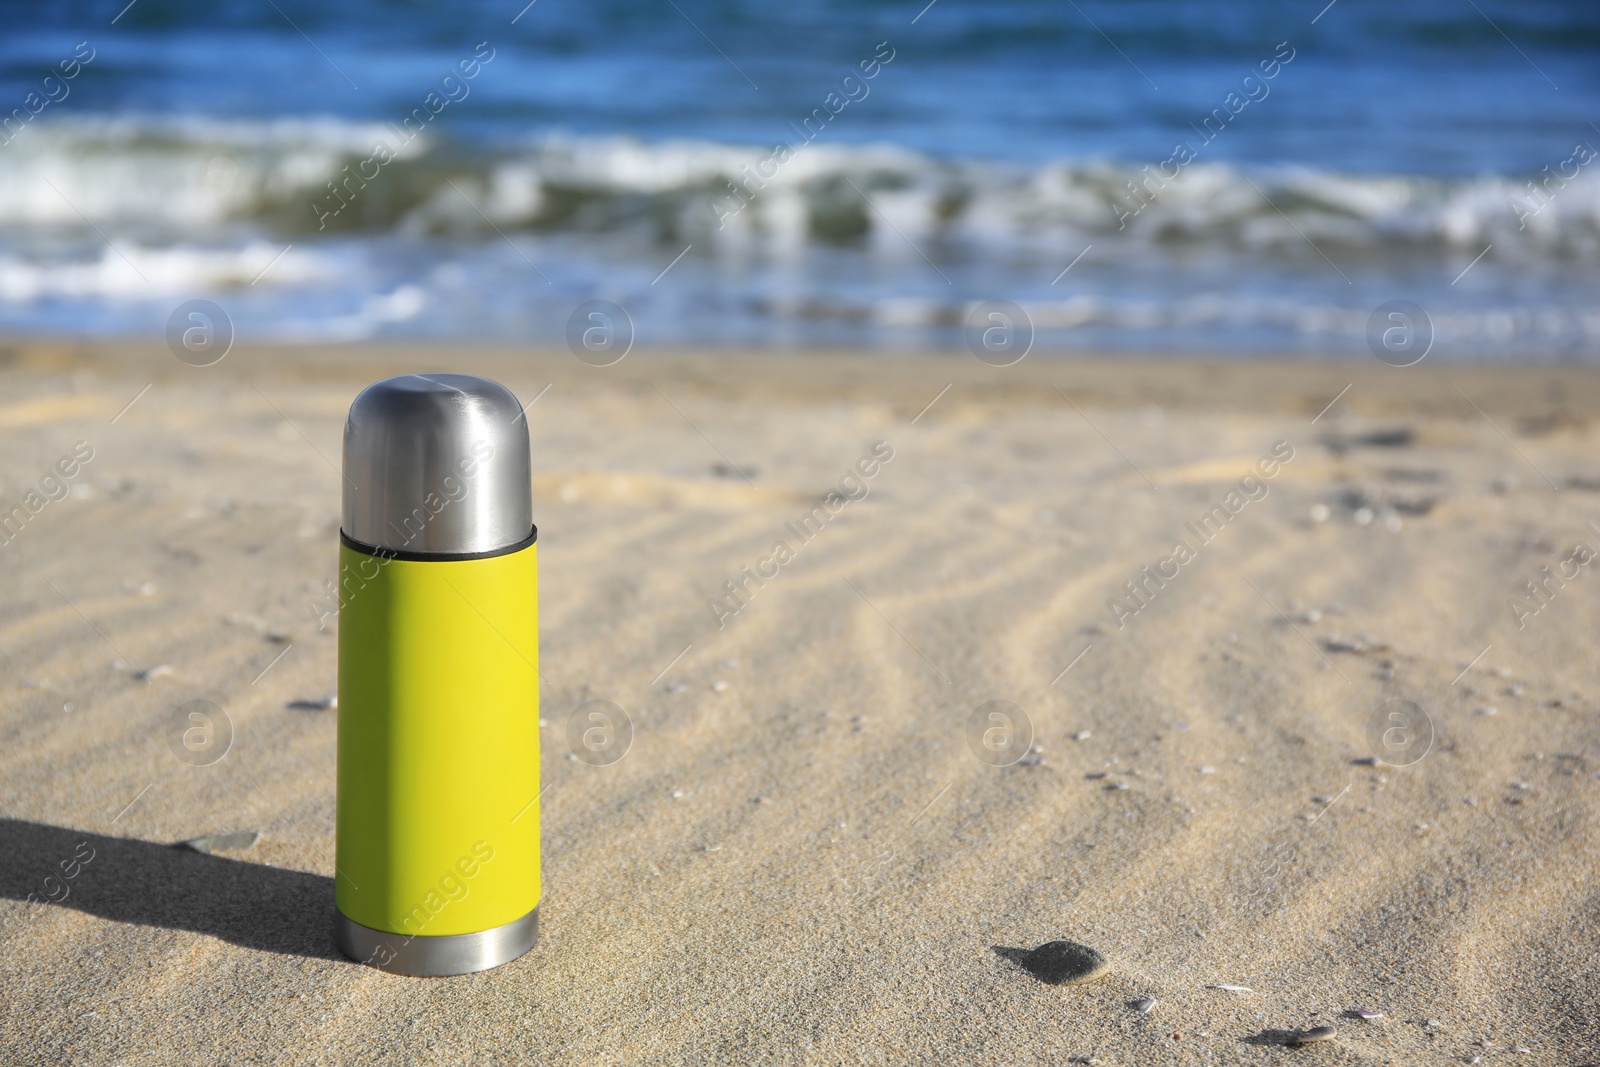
(437, 465)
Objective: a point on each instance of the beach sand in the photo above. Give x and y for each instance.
(801, 858)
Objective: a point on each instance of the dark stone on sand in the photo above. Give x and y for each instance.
(1316, 1033)
(1058, 962)
(1291, 1038)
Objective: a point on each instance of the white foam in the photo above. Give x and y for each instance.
(133, 272)
(121, 213)
(174, 175)
(183, 177)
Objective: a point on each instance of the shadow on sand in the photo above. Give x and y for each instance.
(248, 904)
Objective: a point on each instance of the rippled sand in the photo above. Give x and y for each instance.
(802, 857)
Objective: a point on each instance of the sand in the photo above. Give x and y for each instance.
(802, 858)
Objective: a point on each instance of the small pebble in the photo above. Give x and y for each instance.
(719, 687)
(1321, 513)
(676, 687)
(1316, 1033)
(161, 670)
(1232, 988)
(1144, 1005)
(1368, 1014)
(1486, 710)
(323, 703)
(1513, 690)
(1063, 963)
(211, 843)
(1208, 770)
(1082, 735)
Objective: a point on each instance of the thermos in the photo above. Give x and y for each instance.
(438, 816)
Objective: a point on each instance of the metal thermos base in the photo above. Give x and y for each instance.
(438, 955)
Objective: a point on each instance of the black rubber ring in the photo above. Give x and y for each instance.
(440, 557)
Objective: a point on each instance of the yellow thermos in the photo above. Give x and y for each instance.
(437, 869)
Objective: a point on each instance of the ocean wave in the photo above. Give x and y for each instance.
(110, 223)
(1545, 326)
(132, 271)
(171, 179)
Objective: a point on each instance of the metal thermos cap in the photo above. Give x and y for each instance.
(437, 464)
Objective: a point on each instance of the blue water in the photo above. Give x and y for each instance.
(1387, 156)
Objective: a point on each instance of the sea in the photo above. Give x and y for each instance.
(1177, 176)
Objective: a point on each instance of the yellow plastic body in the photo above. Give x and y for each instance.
(438, 811)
